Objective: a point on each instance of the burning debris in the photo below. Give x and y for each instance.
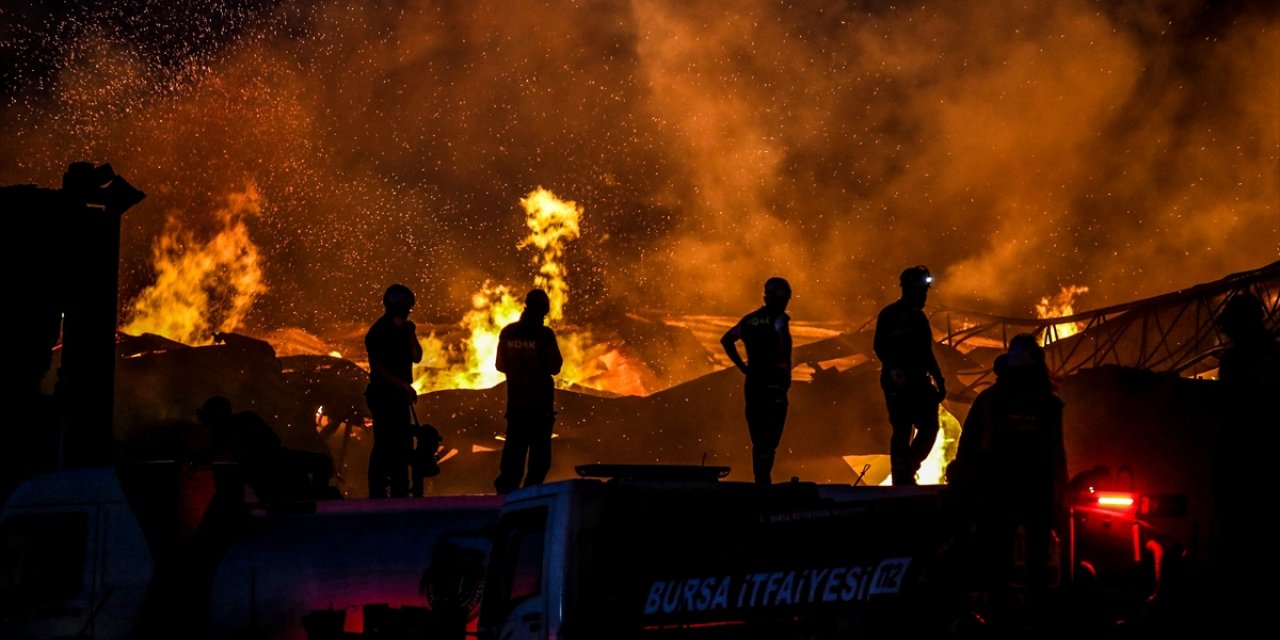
(208, 286)
(1060, 305)
(641, 387)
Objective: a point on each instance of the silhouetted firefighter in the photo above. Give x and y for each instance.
(1252, 357)
(909, 375)
(393, 348)
(529, 356)
(1249, 375)
(69, 292)
(1011, 471)
(766, 334)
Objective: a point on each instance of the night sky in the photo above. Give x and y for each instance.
(1015, 148)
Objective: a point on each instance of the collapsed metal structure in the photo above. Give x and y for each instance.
(1169, 333)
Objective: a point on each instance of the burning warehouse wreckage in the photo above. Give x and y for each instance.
(1128, 375)
(643, 388)
(1135, 378)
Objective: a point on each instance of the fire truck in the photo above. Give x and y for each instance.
(669, 552)
(635, 551)
(169, 550)
(625, 551)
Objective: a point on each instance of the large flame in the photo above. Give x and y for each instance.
(207, 287)
(202, 287)
(934, 468)
(1060, 305)
(469, 365)
(552, 224)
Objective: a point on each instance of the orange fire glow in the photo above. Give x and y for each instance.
(934, 468)
(1060, 305)
(470, 364)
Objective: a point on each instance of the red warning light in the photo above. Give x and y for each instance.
(1118, 500)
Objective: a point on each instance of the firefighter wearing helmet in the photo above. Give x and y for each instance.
(909, 376)
(1252, 353)
(529, 356)
(1010, 470)
(393, 348)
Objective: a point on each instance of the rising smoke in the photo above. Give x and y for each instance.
(1128, 147)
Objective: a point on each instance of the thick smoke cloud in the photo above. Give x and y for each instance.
(1133, 148)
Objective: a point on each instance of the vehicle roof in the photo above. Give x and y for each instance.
(831, 492)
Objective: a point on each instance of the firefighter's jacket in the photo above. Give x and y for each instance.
(1011, 444)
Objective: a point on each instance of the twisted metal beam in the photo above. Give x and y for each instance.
(1174, 332)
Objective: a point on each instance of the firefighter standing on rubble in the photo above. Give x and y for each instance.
(529, 356)
(1011, 471)
(766, 334)
(910, 376)
(393, 348)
